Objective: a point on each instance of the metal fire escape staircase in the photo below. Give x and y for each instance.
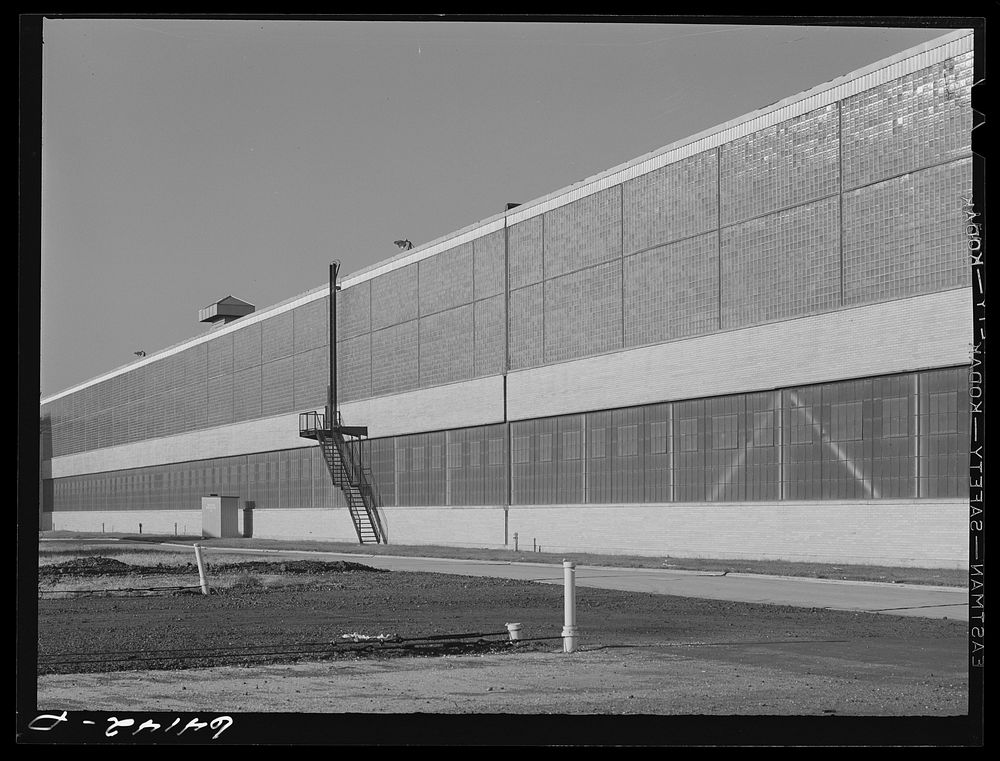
(343, 450)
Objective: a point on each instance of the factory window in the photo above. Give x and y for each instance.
(597, 442)
(496, 452)
(658, 437)
(845, 421)
(474, 455)
(687, 429)
(800, 424)
(571, 445)
(455, 455)
(418, 458)
(895, 416)
(436, 457)
(545, 447)
(763, 429)
(522, 450)
(628, 441)
(724, 432)
(942, 413)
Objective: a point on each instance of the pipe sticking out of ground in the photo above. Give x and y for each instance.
(202, 578)
(569, 631)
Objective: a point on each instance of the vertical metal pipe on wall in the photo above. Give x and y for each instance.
(331, 411)
(506, 365)
(915, 436)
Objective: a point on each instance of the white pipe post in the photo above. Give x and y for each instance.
(201, 570)
(569, 631)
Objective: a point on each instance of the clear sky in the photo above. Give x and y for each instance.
(186, 160)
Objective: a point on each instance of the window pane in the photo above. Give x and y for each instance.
(496, 452)
(724, 434)
(628, 440)
(545, 447)
(845, 421)
(688, 432)
(658, 437)
(597, 442)
(895, 414)
(455, 455)
(522, 449)
(571, 445)
(763, 429)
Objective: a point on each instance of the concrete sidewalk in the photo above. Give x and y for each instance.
(866, 596)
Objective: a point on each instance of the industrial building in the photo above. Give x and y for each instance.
(752, 343)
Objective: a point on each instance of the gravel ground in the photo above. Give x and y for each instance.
(270, 639)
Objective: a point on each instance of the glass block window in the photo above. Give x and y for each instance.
(679, 200)
(788, 164)
(672, 291)
(782, 265)
(583, 233)
(915, 121)
(525, 327)
(583, 313)
(906, 235)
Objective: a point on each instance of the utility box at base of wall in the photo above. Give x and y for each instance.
(220, 517)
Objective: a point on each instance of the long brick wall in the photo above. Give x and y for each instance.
(927, 534)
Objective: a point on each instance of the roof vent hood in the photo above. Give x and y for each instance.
(224, 311)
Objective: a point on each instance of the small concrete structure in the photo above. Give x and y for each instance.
(220, 517)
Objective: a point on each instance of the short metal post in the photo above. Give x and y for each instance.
(534, 544)
(569, 631)
(140, 528)
(202, 579)
(515, 541)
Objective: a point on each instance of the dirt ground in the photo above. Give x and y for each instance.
(271, 639)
